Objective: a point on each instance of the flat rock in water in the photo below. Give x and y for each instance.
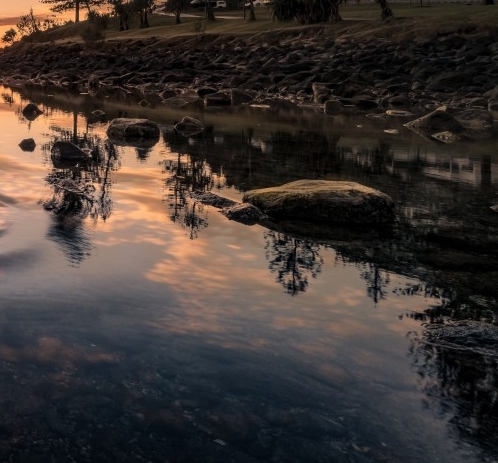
(323, 201)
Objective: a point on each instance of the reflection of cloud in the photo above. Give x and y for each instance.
(52, 351)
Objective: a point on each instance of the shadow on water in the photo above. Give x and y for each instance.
(445, 235)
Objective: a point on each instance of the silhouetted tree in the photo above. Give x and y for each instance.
(461, 382)
(60, 6)
(176, 7)
(142, 7)
(122, 11)
(315, 11)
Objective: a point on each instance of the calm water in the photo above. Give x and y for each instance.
(137, 325)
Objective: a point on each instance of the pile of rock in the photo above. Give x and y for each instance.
(303, 66)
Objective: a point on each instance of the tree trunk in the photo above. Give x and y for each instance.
(386, 11)
(77, 11)
(210, 12)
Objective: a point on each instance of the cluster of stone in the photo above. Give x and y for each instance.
(303, 67)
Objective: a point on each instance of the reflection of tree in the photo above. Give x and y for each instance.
(68, 232)
(187, 175)
(376, 279)
(293, 260)
(462, 384)
(80, 189)
(8, 97)
(74, 186)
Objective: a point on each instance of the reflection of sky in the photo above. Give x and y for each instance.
(220, 283)
(147, 286)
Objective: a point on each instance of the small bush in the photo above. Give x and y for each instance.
(91, 34)
(101, 21)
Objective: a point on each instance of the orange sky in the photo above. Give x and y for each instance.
(19, 7)
(11, 11)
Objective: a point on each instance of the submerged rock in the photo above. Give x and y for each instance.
(133, 132)
(65, 154)
(324, 201)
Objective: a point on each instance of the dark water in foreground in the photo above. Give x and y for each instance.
(137, 325)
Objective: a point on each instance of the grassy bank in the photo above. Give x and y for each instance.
(359, 20)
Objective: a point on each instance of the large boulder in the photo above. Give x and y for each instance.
(133, 132)
(323, 201)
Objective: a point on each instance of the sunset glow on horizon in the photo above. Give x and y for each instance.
(15, 9)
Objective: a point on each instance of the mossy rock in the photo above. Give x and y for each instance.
(325, 202)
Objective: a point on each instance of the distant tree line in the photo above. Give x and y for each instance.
(316, 11)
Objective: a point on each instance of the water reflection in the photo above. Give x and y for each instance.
(460, 385)
(294, 261)
(186, 341)
(81, 180)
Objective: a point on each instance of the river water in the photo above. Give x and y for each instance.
(138, 325)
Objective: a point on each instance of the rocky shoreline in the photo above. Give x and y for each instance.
(297, 66)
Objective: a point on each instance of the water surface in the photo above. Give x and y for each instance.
(138, 325)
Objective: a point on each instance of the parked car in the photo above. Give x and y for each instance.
(259, 3)
(214, 4)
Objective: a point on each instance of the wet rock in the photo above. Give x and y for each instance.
(476, 122)
(239, 97)
(175, 102)
(449, 81)
(493, 109)
(217, 99)
(439, 120)
(333, 108)
(324, 201)
(133, 132)
(203, 91)
(364, 102)
(28, 144)
(211, 199)
(445, 137)
(65, 154)
(244, 213)
(31, 112)
(188, 127)
(93, 82)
